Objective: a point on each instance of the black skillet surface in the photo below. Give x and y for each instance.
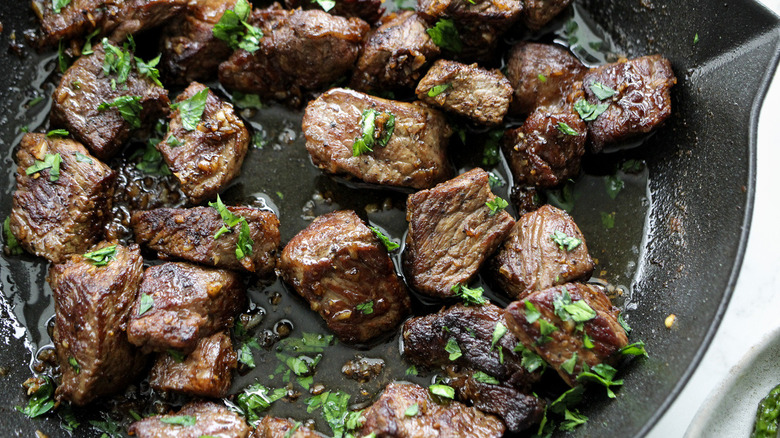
(701, 182)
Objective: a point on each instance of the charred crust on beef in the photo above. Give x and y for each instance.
(210, 419)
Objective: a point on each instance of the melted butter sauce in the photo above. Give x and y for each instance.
(279, 176)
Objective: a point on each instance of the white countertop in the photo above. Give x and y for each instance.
(754, 309)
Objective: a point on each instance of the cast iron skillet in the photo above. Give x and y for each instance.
(701, 172)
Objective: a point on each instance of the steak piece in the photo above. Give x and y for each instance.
(467, 90)
(517, 410)
(642, 99)
(566, 341)
(84, 87)
(452, 231)
(91, 307)
(387, 416)
(343, 270)
(206, 372)
(201, 301)
(210, 419)
(139, 15)
(190, 51)
(369, 11)
(547, 150)
(472, 328)
(413, 157)
(300, 51)
(207, 158)
(188, 233)
(272, 427)
(537, 13)
(52, 219)
(531, 260)
(395, 55)
(543, 75)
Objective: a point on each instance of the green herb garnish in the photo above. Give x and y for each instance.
(572, 419)
(566, 129)
(411, 371)
(469, 295)
(453, 349)
(608, 220)
(176, 355)
(588, 111)
(57, 5)
(63, 60)
(445, 35)
(234, 29)
(367, 308)
(531, 314)
(257, 398)
(542, 78)
(569, 364)
(173, 142)
(376, 129)
(696, 38)
(498, 332)
(245, 243)
(412, 410)
(438, 89)
(389, 244)
(326, 5)
(148, 69)
(129, 108)
(481, 377)
(530, 361)
(623, 323)
(495, 205)
(180, 420)
(442, 391)
(41, 401)
(614, 185)
(51, 162)
(117, 60)
(490, 153)
(14, 248)
(635, 349)
(58, 133)
(147, 302)
(335, 410)
(243, 100)
(152, 161)
(102, 256)
(564, 241)
(87, 48)
(191, 109)
(74, 364)
(603, 374)
(602, 91)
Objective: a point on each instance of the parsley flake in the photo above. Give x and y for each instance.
(180, 420)
(571, 420)
(411, 371)
(453, 349)
(326, 5)
(389, 244)
(151, 162)
(542, 78)
(147, 302)
(569, 364)
(531, 314)
(41, 401)
(481, 377)
(602, 91)
(243, 100)
(588, 111)
(129, 108)
(495, 205)
(603, 374)
(564, 241)
(498, 332)
(117, 60)
(469, 295)
(176, 355)
(63, 59)
(173, 142)
(566, 129)
(376, 129)
(367, 308)
(191, 109)
(635, 349)
(87, 48)
(102, 256)
(442, 391)
(696, 38)
(234, 29)
(14, 248)
(412, 410)
(257, 398)
(335, 411)
(445, 35)
(148, 69)
(51, 162)
(74, 364)
(614, 185)
(608, 220)
(438, 89)
(57, 5)
(58, 133)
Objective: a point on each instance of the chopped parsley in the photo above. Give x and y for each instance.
(41, 401)
(411, 371)
(588, 111)
(445, 35)
(376, 129)
(87, 48)
(63, 60)
(34, 101)
(453, 349)
(234, 29)
(173, 142)
(566, 129)
(109, 427)
(57, 5)
(602, 91)
(51, 162)
(614, 185)
(191, 109)
(438, 89)
(102, 256)
(635, 349)
(562, 198)
(326, 5)
(623, 323)
(442, 391)
(569, 364)
(530, 361)
(129, 108)
(74, 364)
(10, 240)
(69, 421)
(498, 332)
(412, 410)
(149, 69)
(366, 308)
(58, 133)
(696, 38)
(603, 374)
(257, 398)
(468, 295)
(389, 244)
(572, 419)
(307, 343)
(587, 342)
(490, 152)
(242, 100)
(531, 314)
(494, 180)
(147, 302)
(118, 60)
(176, 355)
(335, 411)
(542, 78)
(245, 243)
(564, 241)
(546, 327)
(151, 162)
(608, 220)
(495, 205)
(481, 377)
(180, 420)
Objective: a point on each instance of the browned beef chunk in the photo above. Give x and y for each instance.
(78, 18)
(272, 427)
(342, 269)
(517, 410)
(139, 15)
(472, 328)
(188, 233)
(206, 372)
(211, 419)
(201, 301)
(207, 158)
(567, 341)
(190, 51)
(642, 98)
(369, 11)
(537, 13)
(387, 416)
(452, 231)
(395, 55)
(91, 306)
(479, 23)
(300, 51)
(543, 75)
(52, 219)
(547, 150)
(82, 89)
(413, 157)
(531, 259)
(473, 92)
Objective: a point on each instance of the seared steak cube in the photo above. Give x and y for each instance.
(414, 156)
(85, 87)
(92, 301)
(547, 150)
(545, 248)
(210, 419)
(77, 18)
(272, 427)
(517, 410)
(343, 270)
(188, 233)
(639, 98)
(472, 92)
(300, 51)
(369, 11)
(190, 51)
(387, 416)
(52, 219)
(138, 15)
(471, 328)
(537, 13)
(561, 310)
(542, 75)
(207, 156)
(453, 228)
(206, 372)
(395, 55)
(179, 303)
